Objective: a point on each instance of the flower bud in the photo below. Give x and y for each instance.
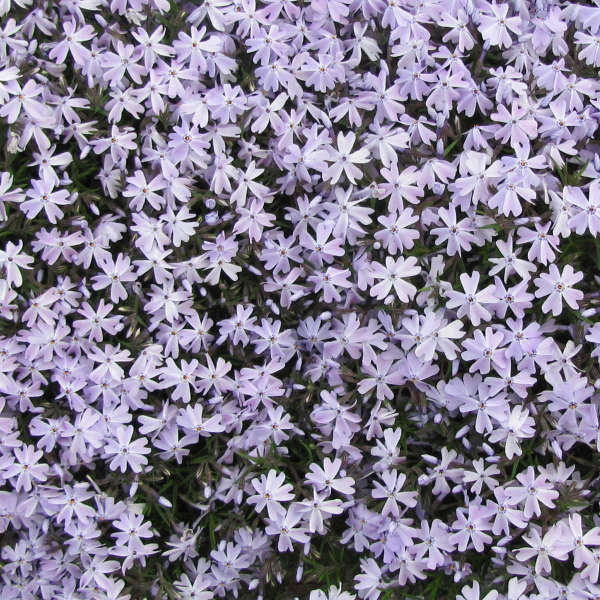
(211, 218)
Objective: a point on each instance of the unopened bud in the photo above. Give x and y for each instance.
(253, 270)
(13, 143)
(211, 218)
(462, 431)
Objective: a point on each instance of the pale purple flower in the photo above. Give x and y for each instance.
(271, 492)
(473, 593)
(496, 26)
(72, 43)
(344, 159)
(552, 545)
(532, 491)
(557, 287)
(42, 196)
(471, 302)
(26, 468)
(391, 492)
(285, 526)
(125, 452)
(393, 275)
(326, 477)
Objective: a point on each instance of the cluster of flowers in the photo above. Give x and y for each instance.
(299, 292)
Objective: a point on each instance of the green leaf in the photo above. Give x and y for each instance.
(451, 146)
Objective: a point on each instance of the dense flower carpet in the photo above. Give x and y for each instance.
(299, 299)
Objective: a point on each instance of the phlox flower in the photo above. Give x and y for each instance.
(393, 275)
(470, 526)
(518, 127)
(553, 544)
(473, 593)
(471, 302)
(557, 287)
(181, 378)
(517, 426)
(496, 27)
(382, 374)
(285, 526)
(326, 477)
(516, 298)
(532, 491)
(253, 220)
(481, 475)
(43, 196)
(436, 543)
(458, 235)
(319, 509)
(484, 350)
(581, 553)
(271, 492)
(504, 512)
(193, 420)
(72, 42)
(328, 281)
(125, 452)
(397, 235)
(588, 217)
(391, 491)
(26, 468)
(324, 72)
(344, 159)
(23, 100)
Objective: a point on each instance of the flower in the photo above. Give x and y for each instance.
(326, 477)
(271, 492)
(192, 420)
(368, 580)
(481, 475)
(344, 160)
(393, 482)
(457, 234)
(44, 197)
(285, 527)
(470, 302)
(26, 468)
(319, 509)
(519, 425)
(532, 491)
(473, 593)
(495, 27)
(551, 545)
(557, 287)
(484, 351)
(72, 43)
(127, 453)
(393, 275)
